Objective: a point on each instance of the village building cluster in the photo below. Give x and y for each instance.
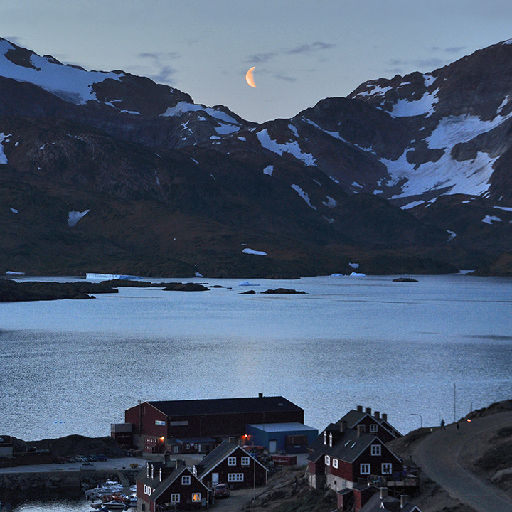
(241, 438)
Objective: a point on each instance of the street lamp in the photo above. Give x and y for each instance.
(421, 418)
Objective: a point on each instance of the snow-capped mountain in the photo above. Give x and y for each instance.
(407, 174)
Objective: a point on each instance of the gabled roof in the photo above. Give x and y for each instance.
(161, 487)
(219, 454)
(349, 447)
(354, 417)
(224, 406)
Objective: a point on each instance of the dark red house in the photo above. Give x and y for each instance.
(226, 418)
(232, 465)
(169, 485)
(352, 451)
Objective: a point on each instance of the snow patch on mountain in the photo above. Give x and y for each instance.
(74, 216)
(423, 106)
(183, 107)
(67, 82)
(304, 195)
(252, 251)
(292, 148)
(489, 219)
(467, 177)
(3, 157)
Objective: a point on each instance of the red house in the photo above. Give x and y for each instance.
(353, 451)
(230, 464)
(169, 485)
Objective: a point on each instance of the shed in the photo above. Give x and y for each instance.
(281, 437)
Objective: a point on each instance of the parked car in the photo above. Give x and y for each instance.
(221, 491)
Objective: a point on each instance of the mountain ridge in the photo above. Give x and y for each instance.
(408, 174)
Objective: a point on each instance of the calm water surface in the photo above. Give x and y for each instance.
(417, 351)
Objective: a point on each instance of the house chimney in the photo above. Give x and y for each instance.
(384, 416)
(368, 410)
(359, 408)
(147, 469)
(152, 471)
(383, 492)
(404, 499)
(330, 439)
(260, 395)
(325, 436)
(376, 414)
(160, 474)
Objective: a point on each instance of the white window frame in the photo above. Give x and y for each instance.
(327, 460)
(386, 468)
(186, 480)
(374, 428)
(231, 461)
(376, 450)
(197, 496)
(235, 477)
(175, 498)
(364, 469)
(335, 463)
(246, 461)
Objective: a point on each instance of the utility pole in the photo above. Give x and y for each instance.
(454, 402)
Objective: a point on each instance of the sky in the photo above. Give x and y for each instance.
(302, 50)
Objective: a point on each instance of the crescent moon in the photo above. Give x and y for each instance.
(248, 77)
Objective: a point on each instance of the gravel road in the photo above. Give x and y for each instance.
(439, 457)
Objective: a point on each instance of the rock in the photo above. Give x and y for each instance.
(283, 291)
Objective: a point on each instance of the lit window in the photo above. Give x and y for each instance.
(365, 469)
(375, 449)
(231, 461)
(374, 428)
(196, 497)
(335, 463)
(387, 468)
(235, 477)
(186, 480)
(327, 460)
(246, 461)
(175, 498)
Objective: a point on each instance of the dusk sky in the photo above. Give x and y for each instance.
(302, 50)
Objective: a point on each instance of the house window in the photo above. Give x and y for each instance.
(186, 480)
(196, 497)
(387, 468)
(327, 460)
(231, 461)
(246, 461)
(365, 469)
(175, 498)
(335, 463)
(374, 428)
(235, 477)
(375, 449)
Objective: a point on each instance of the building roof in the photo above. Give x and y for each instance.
(284, 427)
(216, 456)
(224, 406)
(354, 417)
(347, 448)
(167, 480)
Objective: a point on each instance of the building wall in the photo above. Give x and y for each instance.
(260, 437)
(144, 416)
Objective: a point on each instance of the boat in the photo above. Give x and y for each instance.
(106, 489)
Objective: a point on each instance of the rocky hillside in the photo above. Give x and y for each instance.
(110, 172)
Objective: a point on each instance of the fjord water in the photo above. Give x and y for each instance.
(416, 351)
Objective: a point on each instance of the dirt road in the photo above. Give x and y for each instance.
(439, 457)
